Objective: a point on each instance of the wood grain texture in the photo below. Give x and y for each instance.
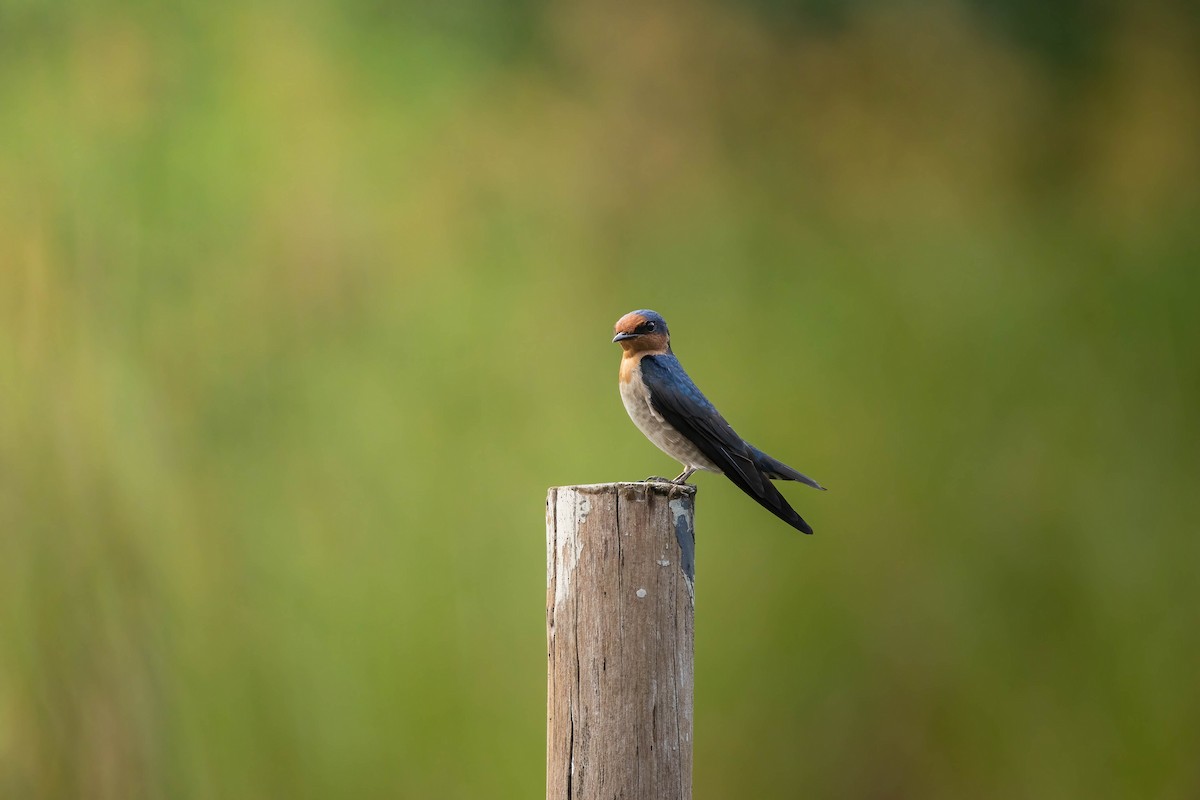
(620, 603)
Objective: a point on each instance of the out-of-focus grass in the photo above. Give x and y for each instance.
(301, 309)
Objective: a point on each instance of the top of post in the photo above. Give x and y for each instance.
(663, 488)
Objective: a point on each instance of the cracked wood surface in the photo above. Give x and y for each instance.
(620, 563)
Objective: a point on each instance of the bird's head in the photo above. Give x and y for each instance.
(642, 331)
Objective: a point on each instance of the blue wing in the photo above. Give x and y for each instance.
(684, 406)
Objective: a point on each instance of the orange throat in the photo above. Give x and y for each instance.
(629, 362)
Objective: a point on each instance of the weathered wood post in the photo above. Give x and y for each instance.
(620, 565)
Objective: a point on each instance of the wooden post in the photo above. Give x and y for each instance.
(620, 565)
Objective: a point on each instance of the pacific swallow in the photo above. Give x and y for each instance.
(666, 406)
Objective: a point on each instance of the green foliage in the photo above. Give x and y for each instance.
(302, 307)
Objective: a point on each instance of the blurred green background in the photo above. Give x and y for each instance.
(304, 305)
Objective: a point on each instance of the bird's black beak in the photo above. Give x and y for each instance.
(620, 337)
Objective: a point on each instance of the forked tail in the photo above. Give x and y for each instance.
(779, 471)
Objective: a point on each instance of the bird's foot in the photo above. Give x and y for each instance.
(657, 479)
(681, 478)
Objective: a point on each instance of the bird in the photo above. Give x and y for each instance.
(674, 414)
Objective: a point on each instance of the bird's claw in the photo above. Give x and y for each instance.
(678, 481)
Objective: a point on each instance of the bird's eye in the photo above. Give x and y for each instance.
(649, 326)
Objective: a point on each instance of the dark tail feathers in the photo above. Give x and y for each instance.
(777, 470)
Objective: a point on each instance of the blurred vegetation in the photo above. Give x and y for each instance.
(303, 306)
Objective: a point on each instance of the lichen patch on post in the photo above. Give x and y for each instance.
(681, 513)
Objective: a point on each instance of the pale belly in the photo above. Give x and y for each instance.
(670, 441)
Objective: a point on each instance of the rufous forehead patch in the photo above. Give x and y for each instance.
(629, 322)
